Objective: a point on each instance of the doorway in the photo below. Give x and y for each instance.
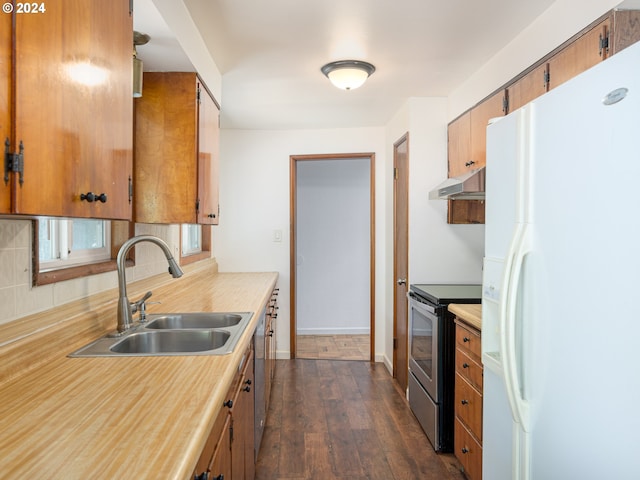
(332, 256)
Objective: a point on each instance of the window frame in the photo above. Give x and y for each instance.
(121, 231)
(64, 240)
(205, 250)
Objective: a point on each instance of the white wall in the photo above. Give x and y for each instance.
(332, 247)
(438, 252)
(254, 201)
(557, 24)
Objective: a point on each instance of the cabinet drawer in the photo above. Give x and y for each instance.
(468, 406)
(468, 451)
(468, 341)
(469, 369)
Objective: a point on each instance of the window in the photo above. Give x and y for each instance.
(66, 243)
(195, 241)
(191, 239)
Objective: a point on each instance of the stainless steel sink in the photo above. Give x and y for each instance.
(174, 334)
(172, 341)
(180, 321)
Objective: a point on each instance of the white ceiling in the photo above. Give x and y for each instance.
(270, 53)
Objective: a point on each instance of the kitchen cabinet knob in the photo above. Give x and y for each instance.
(202, 476)
(92, 197)
(469, 163)
(465, 365)
(270, 333)
(465, 450)
(466, 339)
(212, 215)
(228, 403)
(219, 477)
(247, 389)
(464, 402)
(248, 382)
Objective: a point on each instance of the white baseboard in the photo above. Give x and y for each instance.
(334, 331)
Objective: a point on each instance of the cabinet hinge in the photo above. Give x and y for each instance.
(13, 162)
(505, 103)
(130, 190)
(604, 44)
(546, 78)
(198, 95)
(197, 206)
(395, 173)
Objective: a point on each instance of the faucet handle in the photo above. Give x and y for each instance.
(140, 306)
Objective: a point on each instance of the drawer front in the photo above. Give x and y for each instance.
(468, 451)
(468, 341)
(469, 369)
(468, 406)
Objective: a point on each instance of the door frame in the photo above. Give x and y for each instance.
(293, 162)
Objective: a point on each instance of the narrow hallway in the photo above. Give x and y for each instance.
(333, 419)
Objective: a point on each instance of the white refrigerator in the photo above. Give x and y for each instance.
(561, 282)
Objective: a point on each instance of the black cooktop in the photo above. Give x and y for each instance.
(441, 294)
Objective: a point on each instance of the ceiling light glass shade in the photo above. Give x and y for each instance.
(348, 74)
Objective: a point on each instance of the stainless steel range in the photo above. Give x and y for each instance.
(432, 357)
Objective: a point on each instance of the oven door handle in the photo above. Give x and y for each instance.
(425, 307)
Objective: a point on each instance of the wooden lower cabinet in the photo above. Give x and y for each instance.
(270, 345)
(229, 450)
(468, 400)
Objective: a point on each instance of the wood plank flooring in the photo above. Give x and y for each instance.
(336, 347)
(332, 419)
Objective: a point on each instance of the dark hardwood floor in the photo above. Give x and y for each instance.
(335, 419)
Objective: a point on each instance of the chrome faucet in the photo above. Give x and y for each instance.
(126, 309)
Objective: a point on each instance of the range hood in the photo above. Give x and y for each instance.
(469, 186)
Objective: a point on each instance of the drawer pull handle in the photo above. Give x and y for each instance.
(464, 402)
(465, 450)
(465, 365)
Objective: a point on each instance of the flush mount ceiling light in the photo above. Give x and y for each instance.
(348, 74)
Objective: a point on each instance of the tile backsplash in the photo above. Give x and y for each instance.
(18, 298)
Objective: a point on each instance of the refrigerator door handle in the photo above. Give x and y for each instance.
(518, 250)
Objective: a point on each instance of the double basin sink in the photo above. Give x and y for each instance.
(173, 334)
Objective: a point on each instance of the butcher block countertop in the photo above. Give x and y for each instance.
(470, 313)
(107, 418)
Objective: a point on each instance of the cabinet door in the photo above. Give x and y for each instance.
(5, 102)
(528, 88)
(73, 111)
(480, 115)
(459, 144)
(578, 56)
(208, 147)
(243, 442)
(220, 466)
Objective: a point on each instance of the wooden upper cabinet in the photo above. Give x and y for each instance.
(208, 154)
(528, 87)
(492, 107)
(5, 103)
(74, 109)
(467, 134)
(625, 29)
(176, 154)
(580, 55)
(459, 144)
